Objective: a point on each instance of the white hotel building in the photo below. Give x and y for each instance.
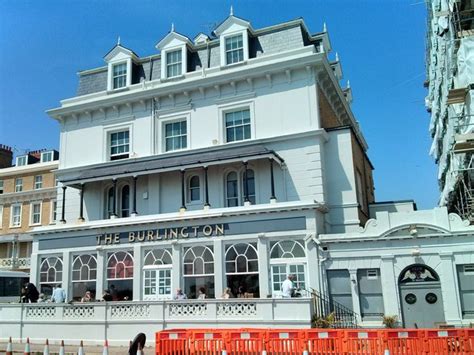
(233, 161)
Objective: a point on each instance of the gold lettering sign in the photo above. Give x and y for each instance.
(208, 230)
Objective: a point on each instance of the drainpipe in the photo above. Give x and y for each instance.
(320, 263)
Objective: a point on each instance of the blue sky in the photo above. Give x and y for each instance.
(381, 44)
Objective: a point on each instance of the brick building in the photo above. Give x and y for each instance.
(27, 200)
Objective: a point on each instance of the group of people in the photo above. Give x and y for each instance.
(30, 294)
(288, 290)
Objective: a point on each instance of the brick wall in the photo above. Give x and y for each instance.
(327, 116)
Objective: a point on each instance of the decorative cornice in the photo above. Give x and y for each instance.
(28, 196)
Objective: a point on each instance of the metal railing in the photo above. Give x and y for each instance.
(325, 307)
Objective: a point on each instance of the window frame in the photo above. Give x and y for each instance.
(47, 153)
(234, 107)
(188, 177)
(235, 126)
(32, 213)
(58, 275)
(178, 64)
(108, 131)
(18, 186)
(162, 121)
(165, 137)
(157, 268)
(38, 184)
(12, 206)
(232, 50)
(1, 216)
(240, 186)
(223, 52)
(20, 158)
(113, 76)
(164, 61)
(53, 211)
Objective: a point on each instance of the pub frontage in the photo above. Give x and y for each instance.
(149, 257)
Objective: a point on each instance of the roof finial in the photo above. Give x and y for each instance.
(231, 10)
(118, 41)
(337, 57)
(325, 29)
(172, 26)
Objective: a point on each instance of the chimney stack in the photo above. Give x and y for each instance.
(6, 156)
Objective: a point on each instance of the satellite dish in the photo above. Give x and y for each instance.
(140, 339)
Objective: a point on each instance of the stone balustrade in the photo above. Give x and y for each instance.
(120, 321)
(14, 263)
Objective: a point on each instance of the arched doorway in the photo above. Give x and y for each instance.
(420, 297)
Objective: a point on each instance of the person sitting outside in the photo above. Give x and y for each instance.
(180, 295)
(87, 297)
(226, 294)
(31, 293)
(201, 293)
(59, 295)
(287, 287)
(106, 296)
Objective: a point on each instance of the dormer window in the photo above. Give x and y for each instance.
(119, 75)
(174, 63)
(21, 161)
(46, 157)
(233, 36)
(120, 63)
(234, 49)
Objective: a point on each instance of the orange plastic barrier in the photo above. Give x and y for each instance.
(315, 341)
(322, 341)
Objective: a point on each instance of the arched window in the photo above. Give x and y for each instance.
(120, 275)
(194, 189)
(157, 257)
(199, 271)
(241, 261)
(122, 199)
(287, 249)
(120, 265)
(51, 273)
(84, 268)
(125, 201)
(84, 275)
(232, 190)
(287, 257)
(250, 184)
(157, 274)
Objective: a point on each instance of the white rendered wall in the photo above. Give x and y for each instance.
(278, 106)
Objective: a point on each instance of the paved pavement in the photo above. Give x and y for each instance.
(70, 349)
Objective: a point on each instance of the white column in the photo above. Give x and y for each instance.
(355, 293)
(34, 268)
(66, 283)
(176, 274)
(389, 281)
(312, 267)
(219, 267)
(263, 266)
(449, 289)
(137, 271)
(101, 274)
